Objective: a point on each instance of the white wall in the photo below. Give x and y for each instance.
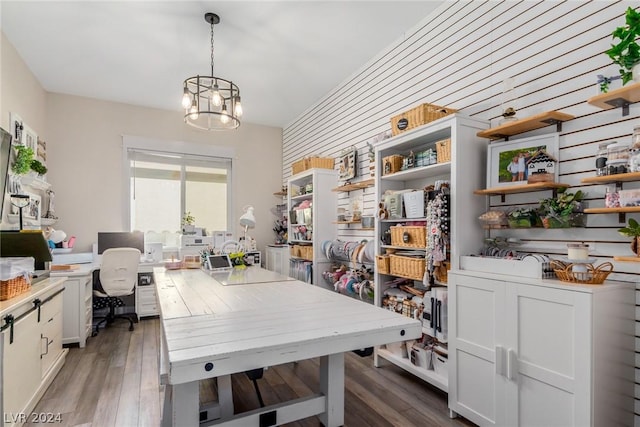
(84, 152)
(458, 57)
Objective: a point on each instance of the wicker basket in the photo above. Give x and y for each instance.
(319, 162)
(295, 251)
(591, 276)
(411, 236)
(410, 268)
(391, 164)
(418, 116)
(443, 150)
(441, 272)
(306, 252)
(14, 287)
(298, 166)
(382, 264)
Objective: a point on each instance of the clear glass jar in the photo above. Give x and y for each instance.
(601, 159)
(617, 151)
(634, 160)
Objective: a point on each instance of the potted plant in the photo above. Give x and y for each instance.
(38, 167)
(626, 54)
(632, 230)
(523, 218)
(188, 223)
(22, 163)
(562, 211)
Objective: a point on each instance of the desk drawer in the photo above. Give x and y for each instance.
(148, 310)
(51, 308)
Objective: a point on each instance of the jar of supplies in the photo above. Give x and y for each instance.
(601, 160)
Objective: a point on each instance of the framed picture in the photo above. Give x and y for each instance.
(348, 163)
(30, 138)
(510, 162)
(17, 128)
(31, 213)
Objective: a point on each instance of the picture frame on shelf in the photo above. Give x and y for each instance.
(30, 138)
(507, 161)
(348, 163)
(17, 127)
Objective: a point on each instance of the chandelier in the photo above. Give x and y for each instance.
(210, 102)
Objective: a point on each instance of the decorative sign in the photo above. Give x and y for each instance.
(348, 163)
(402, 124)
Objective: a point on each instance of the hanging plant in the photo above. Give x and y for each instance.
(38, 167)
(626, 54)
(22, 163)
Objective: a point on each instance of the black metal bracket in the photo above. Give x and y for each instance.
(620, 102)
(622, 217)
(9, 320)
(556, 122)
(37, 304)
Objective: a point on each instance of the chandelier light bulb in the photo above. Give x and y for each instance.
(216, 99)
(193, 111)
(224, 116)
(186, 99)
(238, 107)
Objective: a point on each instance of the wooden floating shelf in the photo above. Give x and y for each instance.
(515, 127)
(347, 222)
(520, 188)
(630, 209)
(627, 258)
(610, 179)
(355, 186)
(620, 97)
(280, 193)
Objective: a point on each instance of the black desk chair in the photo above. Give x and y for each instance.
(118, 277)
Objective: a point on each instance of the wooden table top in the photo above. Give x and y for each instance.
(241, 327)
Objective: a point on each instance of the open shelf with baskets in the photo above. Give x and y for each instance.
(504, 131)
(462, 169)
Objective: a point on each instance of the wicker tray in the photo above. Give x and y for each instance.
(14, 287)
(407, 267)
(592, 275)
(418, 116)
(410, 236)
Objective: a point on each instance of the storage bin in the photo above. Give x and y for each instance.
(382, 264)
(443, 150)
(15, 276)
(392, 164)
(409, 236)
(407, 267)
(319, 162)
(418, 116)
(298, 166)
(414, 204)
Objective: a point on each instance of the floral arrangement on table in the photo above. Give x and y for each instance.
(563, 211)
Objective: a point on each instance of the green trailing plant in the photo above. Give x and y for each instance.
(626, 54)
(22, 163)
(632, 229)
(38, 167)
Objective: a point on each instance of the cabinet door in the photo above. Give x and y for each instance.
(548, 356)
(73, 315)
(21, 364)
(50, 333)
(476, 348)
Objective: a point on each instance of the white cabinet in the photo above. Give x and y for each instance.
(146, 297)
(277, 259)
(313, 225)
(465, 169)
(526, 352)
(30, 348)
(78, 313)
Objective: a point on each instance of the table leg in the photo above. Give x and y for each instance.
(186, 404)
(332, 386)
(225, 396)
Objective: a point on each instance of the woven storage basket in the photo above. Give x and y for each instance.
(410, 236)
(592, 275)
(382, 264)
(14, 287)
(418, 116)
(391, 164)
(298, 166)
(441, 272)
(306, 252)
(410, 268)
(295, 250)
(443, 150)
(319, 162)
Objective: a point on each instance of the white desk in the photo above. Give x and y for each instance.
(78, 301)
(211, 331)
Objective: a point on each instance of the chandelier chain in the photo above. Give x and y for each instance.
(212, 49)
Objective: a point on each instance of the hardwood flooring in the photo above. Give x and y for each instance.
(113, 382)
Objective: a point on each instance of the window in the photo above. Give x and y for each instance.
(165, 185)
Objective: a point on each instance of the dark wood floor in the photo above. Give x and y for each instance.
(113, 381)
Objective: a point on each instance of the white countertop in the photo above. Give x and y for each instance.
(38, 290)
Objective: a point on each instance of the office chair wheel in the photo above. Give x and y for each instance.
(131, 328)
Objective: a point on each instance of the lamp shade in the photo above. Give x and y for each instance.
(248, 219)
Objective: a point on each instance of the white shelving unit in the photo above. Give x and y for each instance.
(464, 171)
(323, 212)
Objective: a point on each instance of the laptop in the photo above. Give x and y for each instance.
(219, 262)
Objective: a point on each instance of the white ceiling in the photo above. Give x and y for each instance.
(284, 55)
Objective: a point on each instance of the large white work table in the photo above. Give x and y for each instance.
(211, 331)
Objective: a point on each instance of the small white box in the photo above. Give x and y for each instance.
(440, 365)
(219, 237)
(414, 204)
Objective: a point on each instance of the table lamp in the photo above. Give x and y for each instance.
(248, 220)
(20, 201)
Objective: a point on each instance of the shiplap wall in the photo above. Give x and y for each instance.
(459, 57)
